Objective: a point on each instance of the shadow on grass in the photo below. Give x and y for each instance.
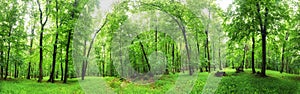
(247, 83)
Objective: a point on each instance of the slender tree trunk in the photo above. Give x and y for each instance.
(103, 64)
(253, 50)
(1, 72)
(111, 65)
(61, 64)
(182, 27)
(67, 56)
(1, 66)
(16, 69)
(41, 38)
(41, 57)
(120, 55)
(244, 57)
(56, 75)
(205, 56)
(232, 65)
(207, 43)
(69, 43)
(84, 62)
(263, 28)
(8, 55)
(145, 55)
(173, 57)
(287, 66)
(167, 63)
(207, 49)
(282, 58)
(220, 62)
(51, 79)
(283, 51)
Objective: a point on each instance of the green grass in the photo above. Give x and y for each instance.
(233, 83)
(23, 86)
(247, 83)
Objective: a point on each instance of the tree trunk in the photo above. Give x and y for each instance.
(166, 49)
(253, 50)
(51, 79)
(1, 72)
(29, 68)
(220, 61)
(173, 57)
(282, 58)
(207, 43)
(244, 57)
(83, 71)
(16, 69)
(1, 66)
(263, 69)
(8, 55)
(103, 63)
(61, 64)
(67, 56)
(41, 58)
(111, 65)
(263, 29)
(145, 55)
(207, 49)
(283, 51)
(182, 27)
(69, 43)
(41, 38)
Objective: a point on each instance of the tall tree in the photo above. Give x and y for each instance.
(73, 14)
(43, 15)
(51, 79)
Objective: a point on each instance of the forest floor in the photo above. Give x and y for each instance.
(238, 83)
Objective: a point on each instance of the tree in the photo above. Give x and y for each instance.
(251, 14)
(51, 79)
(42, 23)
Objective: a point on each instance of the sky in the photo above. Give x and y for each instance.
(106, 5)
(224, 3)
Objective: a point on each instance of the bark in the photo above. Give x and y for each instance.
(61, 65)
(69, 43)
(167, 64)
(16, 69)
(263, 29)
(207, 50)
(41, 38)
(103, 64)
(8, 55)
(94, 37)
(173, 56)
(67, 57)
(90, 47)
(1, 66)
(244, 57)
(112, 65)
(30, 52)
(51, 79)
(283, 51)
(253, 50)
(145, 55)
(220, 62)
(282, 58)
(207, 43)
(83, 71)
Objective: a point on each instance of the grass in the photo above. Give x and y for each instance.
(233, 83)
(248, 83)
(23, 86)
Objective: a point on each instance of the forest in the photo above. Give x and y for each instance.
(149, 46)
